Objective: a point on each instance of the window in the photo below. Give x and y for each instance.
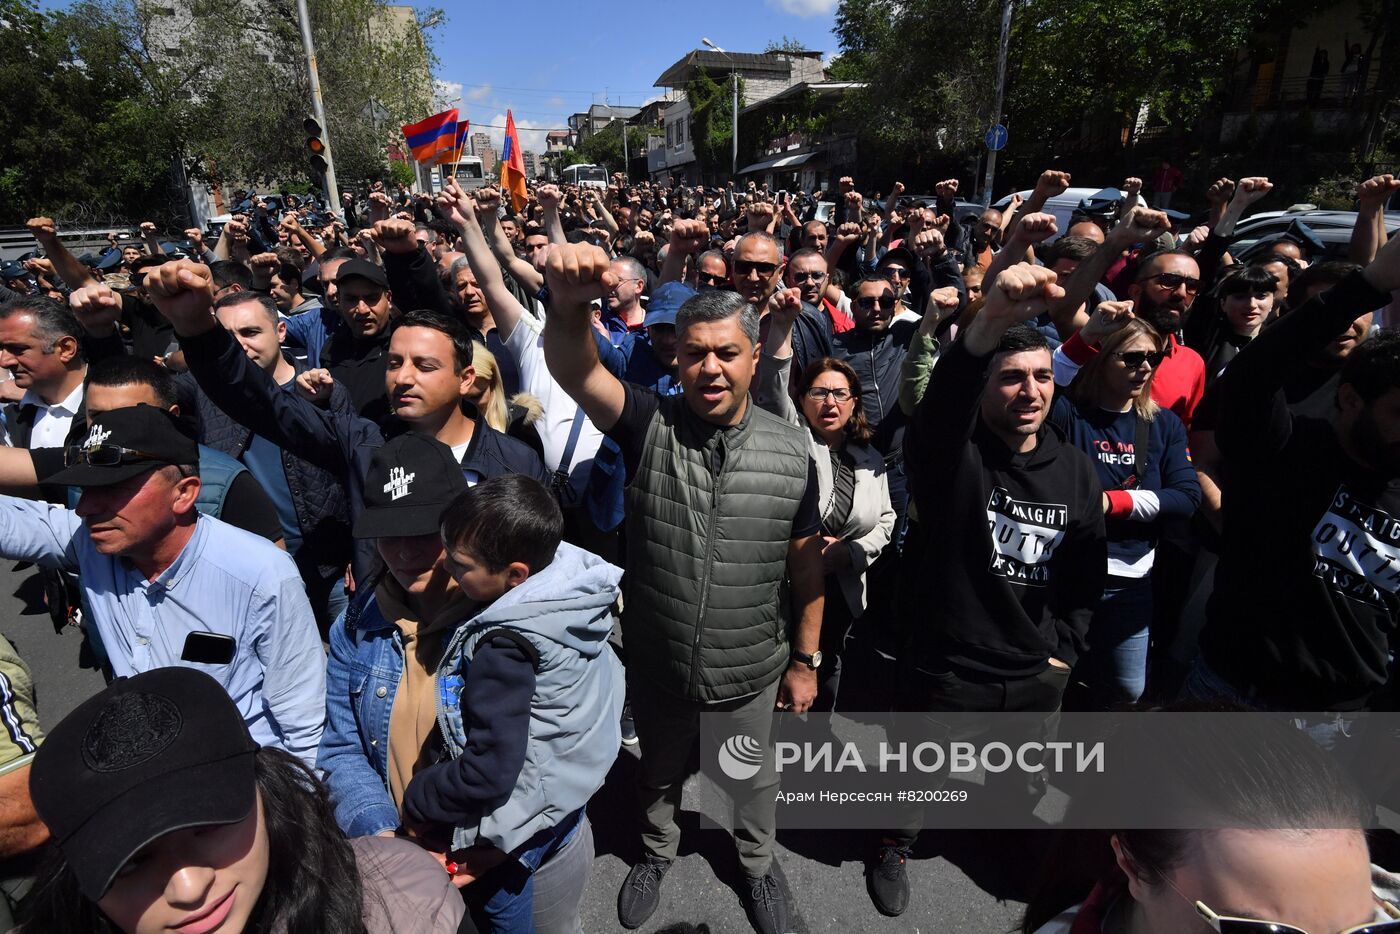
(671, 134)
(680, 132)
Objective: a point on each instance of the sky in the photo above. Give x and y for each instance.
(563, 56)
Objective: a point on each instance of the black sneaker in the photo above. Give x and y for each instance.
(766, 905)
(641, 891)
(889, 881)
(629, 726)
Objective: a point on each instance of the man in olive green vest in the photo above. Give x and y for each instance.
(722, 523)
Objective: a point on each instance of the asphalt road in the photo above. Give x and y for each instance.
(965, 882)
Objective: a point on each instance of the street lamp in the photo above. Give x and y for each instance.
(734, 126)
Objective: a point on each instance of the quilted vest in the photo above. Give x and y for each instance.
(709, 518)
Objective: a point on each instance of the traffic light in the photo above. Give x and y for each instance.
(315, 144)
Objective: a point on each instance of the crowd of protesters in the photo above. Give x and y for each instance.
(447, 500)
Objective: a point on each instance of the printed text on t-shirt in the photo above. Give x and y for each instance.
(1356, 550)
(1024, 537)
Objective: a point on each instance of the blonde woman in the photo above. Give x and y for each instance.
(516, 415)
(1139, 450)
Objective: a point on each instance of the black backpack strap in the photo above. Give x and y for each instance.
(1141, 449)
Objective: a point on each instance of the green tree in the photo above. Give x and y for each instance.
(605, 146)
(1069, 63)
(711, 120)
(85, 138)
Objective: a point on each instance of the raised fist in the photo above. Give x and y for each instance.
(689, 236)
(264, 265)
(43, 228)
(854, 203)
(1220, 192)
(928, 244)
(396, 236)
(147, 229)
(97, 308)
(195, 236)
(237, 229)
(488, 202)
(847, 184)
(1052, 183)
(1132, 185)
(550, 196)
(1142, 225)
(898, 189)
(1036, 228)
(315, 386)
(1107, 319)
(1250, 190)
(577, 275)
(1377, 190)
(948, 188)
(761, 214)
(848, 233)
(183, 291)
(785, 306)
(942, 302)
(1020, 293)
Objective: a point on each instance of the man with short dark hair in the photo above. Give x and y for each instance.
(41, 344)
(745, 479)
(168, 586)
(1304, 606)
(1014, 558)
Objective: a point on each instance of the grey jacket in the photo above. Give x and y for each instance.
(867, 529)
(405, 889)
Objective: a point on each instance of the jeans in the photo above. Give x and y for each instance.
(1329, 730)
(1114, 666)
(505, 896)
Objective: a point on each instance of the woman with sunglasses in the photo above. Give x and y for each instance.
(1284, 851)
(853, 489)
(1139, 450)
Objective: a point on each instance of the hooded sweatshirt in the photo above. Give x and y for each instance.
(1014, 553)
(529, 703)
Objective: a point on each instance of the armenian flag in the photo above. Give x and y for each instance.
(432, 137)
(513, 166)
(453, 156)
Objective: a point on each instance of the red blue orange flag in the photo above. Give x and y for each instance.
(454, 155)
(432, 137)
(513, 166)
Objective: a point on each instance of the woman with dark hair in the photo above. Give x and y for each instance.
(1139, 451)
(1279, 845)
(1246, 297)
(168, 816)
(853, 490)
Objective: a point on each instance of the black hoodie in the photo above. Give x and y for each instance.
(1307, 592)
(1014, 555)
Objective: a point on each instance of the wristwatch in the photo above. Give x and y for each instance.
(812, 661)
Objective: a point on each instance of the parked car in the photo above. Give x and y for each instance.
(1061, 206)
(1331, 228)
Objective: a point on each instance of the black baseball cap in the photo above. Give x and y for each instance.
(154, 753)
(410, 481)
(363, 269)
(152, 439)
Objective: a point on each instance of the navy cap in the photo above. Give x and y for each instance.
(666, 300)
(13, 270)
(362, 269)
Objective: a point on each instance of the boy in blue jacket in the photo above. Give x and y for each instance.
(529, 693)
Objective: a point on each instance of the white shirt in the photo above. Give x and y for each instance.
(526, 345)
(52, 422)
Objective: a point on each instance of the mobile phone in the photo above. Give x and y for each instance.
(208, 648)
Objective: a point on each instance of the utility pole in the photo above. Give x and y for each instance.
(734, 109)
(332, 190)
(1001, 90)
(626, 159)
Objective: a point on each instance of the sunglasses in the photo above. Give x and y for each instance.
(820, 393)
(711, 279)
(868, 302)
(808, 276)
(1132, 359)
(105, 455)
(1227, 925)
(895, 272)
(1170, 280)
(743, 267)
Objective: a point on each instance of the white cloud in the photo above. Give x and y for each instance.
(478, 93)
(446, 93)
(804, 8)
(530, 138)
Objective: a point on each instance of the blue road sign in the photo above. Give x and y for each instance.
(996, 138)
